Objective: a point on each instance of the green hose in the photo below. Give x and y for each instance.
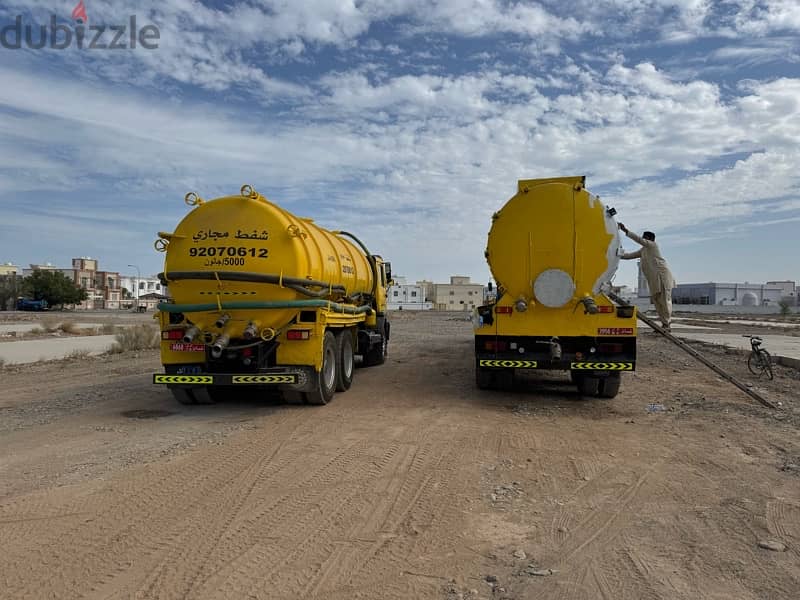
(334, 306)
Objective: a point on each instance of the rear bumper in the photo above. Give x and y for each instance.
(272, 377)
(596, 354)
(594, 365)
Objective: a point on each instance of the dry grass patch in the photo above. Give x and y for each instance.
(138, 337)
(49, 324)
(69, 327)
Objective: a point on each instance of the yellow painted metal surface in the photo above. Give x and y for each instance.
(249, 234)
(554, 225)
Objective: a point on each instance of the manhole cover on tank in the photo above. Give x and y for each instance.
(146, 414)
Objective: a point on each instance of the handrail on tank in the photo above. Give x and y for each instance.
(295, 283)
(259, 304)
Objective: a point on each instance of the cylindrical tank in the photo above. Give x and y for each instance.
(245, 248)
(553, 243)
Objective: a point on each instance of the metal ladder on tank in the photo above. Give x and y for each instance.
(689, 350)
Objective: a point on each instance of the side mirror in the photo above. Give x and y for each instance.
(388, 267)
(490, 286)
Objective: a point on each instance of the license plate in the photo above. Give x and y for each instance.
(181, 347)
(615, 331)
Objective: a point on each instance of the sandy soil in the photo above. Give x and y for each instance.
(411, 485)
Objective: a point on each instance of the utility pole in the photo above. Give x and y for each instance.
(136, 284)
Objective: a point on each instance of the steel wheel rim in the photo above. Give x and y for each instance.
(329, 369)
(347, 361)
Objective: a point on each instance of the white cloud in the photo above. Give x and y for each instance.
(399, 143)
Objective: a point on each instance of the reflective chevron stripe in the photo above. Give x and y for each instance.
(524, 364)
(602, 366)
(190, 379)
(244, 379)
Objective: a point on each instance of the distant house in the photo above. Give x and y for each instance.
(151, 301)
(727, 294)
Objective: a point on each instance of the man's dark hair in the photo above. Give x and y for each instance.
(649, 235)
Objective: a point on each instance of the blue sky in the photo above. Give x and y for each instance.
(408, 122)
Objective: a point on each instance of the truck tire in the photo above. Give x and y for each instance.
(183, 395)
(483, 378)
(294, 397)
(505, 380)
(198, 395)
(609, 386)
(202, 395)
(377, 355)
(588, 385)
(324, 381)
(345, 360)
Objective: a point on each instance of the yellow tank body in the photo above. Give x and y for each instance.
(553, 249)
(244, 273)
(241, 234)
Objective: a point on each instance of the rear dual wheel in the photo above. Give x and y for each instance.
(197, 395)
(336, 374)
(591, 386)
(345, 361)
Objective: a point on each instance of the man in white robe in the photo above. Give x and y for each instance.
(659, 278)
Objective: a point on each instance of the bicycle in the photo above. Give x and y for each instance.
(759, 362)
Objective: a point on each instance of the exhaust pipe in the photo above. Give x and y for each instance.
(219, 345)
(190, 334)
(222, 320)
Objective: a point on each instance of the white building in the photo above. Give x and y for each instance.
(139, 286)
(788, 291)
(727, 294)
(407, 296)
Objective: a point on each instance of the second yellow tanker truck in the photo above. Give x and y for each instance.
(264, 298)
(553, 250)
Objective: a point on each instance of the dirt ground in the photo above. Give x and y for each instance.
(413, 484)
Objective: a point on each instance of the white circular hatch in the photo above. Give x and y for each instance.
(554, 288)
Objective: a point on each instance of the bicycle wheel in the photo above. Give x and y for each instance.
(760, 362)
(766, 362)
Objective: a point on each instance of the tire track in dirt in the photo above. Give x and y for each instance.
(196, 538)
(293, 517)
(223, 533)
(783, 520)
(145, 508)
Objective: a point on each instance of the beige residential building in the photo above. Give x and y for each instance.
(427, 289)
(103, 287)
(459, 294)
(8, 269)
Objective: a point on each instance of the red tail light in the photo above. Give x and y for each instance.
(605, 309)
(298, 334)
(496, 346)
(172, 334)
(503, 310)
(610, 348)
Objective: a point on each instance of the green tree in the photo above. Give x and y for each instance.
(53, 286)
(786, 308)
(9, 290)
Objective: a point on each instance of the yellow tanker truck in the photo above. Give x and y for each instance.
(553, 250)
(263, 298)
